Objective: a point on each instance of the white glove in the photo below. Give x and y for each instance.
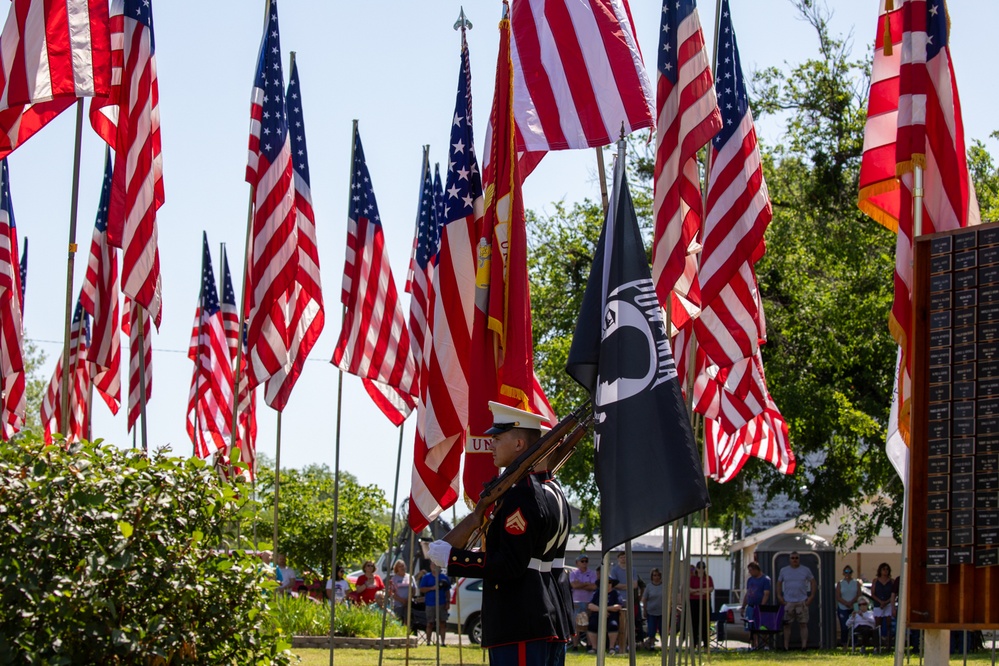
(439, 552)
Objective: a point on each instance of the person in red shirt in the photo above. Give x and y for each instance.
(370, 587)
(701, 587)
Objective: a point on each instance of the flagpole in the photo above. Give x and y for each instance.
(602, 590)
(336, 489)
(339, 403)
(901, 622)
(398, 462)
(71, 259)
(395, 500)
(197, 358)
(602, 175)
(242, 305)
(277, 484)
(141, 322)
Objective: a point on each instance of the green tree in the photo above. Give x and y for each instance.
(825, 281)
(108, 556)
(985, 175)
(561, 249)
(305, 514)
(35, 384)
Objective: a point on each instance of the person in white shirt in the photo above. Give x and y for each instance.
(285, 576)
(339, 589)
(861, 624)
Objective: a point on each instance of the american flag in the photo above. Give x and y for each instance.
(51, 54)
(246, 423)
(209, 403)
(688, 119)
(136, 393)
(914, 119)
(421, 267)
(100, 299)
(304, 302)
(738, 203)
(741, 416)
(374, 343)
(11, 326)
(274, 252)
(79, 385)
(578, 75)
(443, 407)
(502, 346)
(129, 121)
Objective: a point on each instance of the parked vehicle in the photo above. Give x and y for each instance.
(470, 592)
(732, 626)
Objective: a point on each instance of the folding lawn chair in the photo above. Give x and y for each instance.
(765, 624)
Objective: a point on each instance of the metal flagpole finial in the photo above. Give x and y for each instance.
(462, 23)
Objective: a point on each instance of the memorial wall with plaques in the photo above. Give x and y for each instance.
(954, 496)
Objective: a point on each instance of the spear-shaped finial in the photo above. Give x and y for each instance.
(462, 23)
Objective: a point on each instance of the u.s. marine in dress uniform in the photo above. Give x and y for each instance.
(520, 616)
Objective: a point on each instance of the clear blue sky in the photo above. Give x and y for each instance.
(393, 66)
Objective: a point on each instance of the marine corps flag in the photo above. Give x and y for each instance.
(647, 466)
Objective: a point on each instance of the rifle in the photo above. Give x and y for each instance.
(556, 445)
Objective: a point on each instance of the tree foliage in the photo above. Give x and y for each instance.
(985, 175)
(826, 284)
(111, 557)
(305, 514)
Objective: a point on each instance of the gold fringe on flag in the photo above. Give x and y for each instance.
(889, 8)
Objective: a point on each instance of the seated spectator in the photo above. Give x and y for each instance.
(861, 624)
(436, 587)
(339, 589)
(370, 587)
(285, 576)
(613, 616)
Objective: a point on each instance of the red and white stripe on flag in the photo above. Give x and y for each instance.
(303, 303)
(210, 400)
(764, 437)
(99, 296)
(914, 119)
(688, 118)
(374, 342)
(129, 121)
(246, 421)
(51, 54)
(578, 75)
(136, 393)
(14, 397)
(273, 254)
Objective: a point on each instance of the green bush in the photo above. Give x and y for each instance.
(113, 557)
(300, 616)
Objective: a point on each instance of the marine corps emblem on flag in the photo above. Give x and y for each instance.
(516, 524)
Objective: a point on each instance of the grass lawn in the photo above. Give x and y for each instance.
(427, 655)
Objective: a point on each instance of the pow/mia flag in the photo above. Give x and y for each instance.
(647, 466)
